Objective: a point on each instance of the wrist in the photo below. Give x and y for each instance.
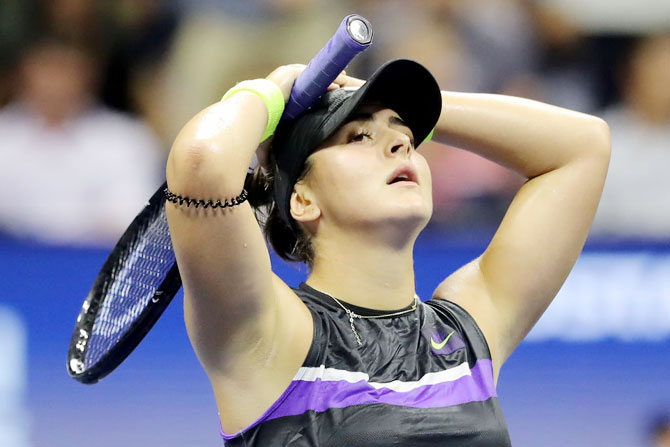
(272, 97)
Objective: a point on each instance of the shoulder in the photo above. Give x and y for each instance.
(468, 290)
(323, 322)
(461, 320)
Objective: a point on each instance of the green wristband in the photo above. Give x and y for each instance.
(271, 95)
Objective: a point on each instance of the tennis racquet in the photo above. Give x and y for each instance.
(140, 277)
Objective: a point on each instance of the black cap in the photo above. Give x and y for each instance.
(402, 85)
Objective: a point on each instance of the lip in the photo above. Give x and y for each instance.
(407, 170)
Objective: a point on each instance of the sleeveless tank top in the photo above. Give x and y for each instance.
(423, 378)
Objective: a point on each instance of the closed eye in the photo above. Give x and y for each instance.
(359, 136)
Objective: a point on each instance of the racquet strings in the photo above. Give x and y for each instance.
(134, 279)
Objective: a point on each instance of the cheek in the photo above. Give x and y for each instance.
(425, 177)
(345, 184)
(351, 184)
(424, 171)
(343, 172)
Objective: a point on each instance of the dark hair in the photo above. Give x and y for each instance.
(290, 244)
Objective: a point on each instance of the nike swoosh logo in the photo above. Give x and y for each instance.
(437, 346)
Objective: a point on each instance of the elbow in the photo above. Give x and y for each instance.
(192, 154)
(185, 163)
(590, 140)
(202, 165)
(597, 141)
(194, 168)
(188, 156)
(602, 141)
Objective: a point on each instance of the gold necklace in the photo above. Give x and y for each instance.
(353, 315)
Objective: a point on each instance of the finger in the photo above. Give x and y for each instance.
(341, 76)
(288, 68)
(355, 82)
(298, 66)
(333, 86)
(340, 79)
(348, 81)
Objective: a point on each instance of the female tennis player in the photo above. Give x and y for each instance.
(352, 357)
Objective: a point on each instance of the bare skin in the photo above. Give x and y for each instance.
(347, 205)
(249, 329)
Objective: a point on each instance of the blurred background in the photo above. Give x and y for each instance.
(92, 92)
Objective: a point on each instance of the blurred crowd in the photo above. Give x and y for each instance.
(92, 92)
(659, 431)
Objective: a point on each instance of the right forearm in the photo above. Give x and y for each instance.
(211, 154)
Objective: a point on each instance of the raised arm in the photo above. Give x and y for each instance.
(233, 303)
(564, 155)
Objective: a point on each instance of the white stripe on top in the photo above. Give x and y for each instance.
(311, 374)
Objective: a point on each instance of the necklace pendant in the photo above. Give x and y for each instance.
(353, 329)
(353, 315)
(358, 338)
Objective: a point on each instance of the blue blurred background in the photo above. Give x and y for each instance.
(93, 92)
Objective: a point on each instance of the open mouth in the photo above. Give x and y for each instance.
(404, 174)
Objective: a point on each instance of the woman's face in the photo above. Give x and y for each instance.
(369, 174)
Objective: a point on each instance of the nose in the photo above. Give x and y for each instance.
(400, 145)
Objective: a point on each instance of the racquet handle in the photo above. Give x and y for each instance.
(353, 36)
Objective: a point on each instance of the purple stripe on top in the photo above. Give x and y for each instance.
(267, 414)
(321, 395)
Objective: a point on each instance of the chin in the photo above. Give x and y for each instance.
(374, 211)
(411, 215)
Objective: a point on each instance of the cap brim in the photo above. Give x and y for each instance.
(402, 85)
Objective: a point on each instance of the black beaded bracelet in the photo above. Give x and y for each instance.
(175, 198)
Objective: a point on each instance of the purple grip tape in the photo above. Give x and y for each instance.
(353, 36)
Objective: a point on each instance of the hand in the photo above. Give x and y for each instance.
(286, 75)
(345, 81)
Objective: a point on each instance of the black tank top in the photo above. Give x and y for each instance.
(423, 378)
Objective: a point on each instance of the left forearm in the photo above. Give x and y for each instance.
(527, 136)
